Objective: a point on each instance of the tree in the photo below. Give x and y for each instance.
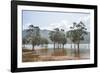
(58, 37)
(44, 42)
(77, 34)
(34, 36)
(24, 41)
(70, 33)
(55, 37)
(63, 39)
(52, 37)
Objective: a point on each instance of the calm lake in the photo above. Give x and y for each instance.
(84, 50)
(50, 46)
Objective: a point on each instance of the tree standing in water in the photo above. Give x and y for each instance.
(34, 36)
(77, 34)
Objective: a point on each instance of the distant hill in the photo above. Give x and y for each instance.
(45, 34)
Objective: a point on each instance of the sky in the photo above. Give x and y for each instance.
(50, 20)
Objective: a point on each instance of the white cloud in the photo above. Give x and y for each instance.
(63, 24)
(25, 26)
(86, 20)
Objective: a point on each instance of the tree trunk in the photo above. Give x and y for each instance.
(78, 51)
(71, 49)
(63, 49)
(71, 45)
(63, 46)
(58, 45)
(54, 46)
(75, 50)
(33, 49)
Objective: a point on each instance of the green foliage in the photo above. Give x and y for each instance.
(35, 38)
(58, 36)
(77, 32)
(52, 36)
(44, 41)
(34, 35)
(24, 41)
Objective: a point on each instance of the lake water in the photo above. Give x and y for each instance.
(51, 46)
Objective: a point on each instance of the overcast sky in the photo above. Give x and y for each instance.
(51, 20)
